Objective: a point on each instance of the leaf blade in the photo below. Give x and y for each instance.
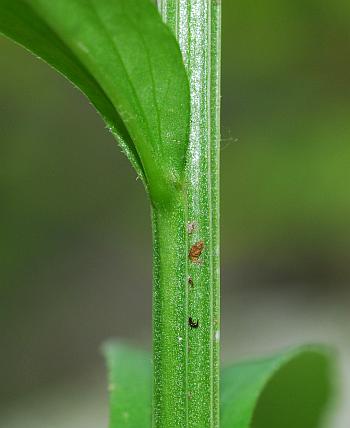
(130, 402)
(128, 63)
(16, 23)
(258, 393)
(251, 391)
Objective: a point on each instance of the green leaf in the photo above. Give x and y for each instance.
(130, 380)
(128, 63)
(289, 390)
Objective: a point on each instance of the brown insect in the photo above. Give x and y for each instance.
(190, 281)
(196, 251)
(192, 323)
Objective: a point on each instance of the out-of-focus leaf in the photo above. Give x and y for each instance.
(127, 62)
(288, 390)
(129, 386)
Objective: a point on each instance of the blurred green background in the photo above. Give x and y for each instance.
(75, 238)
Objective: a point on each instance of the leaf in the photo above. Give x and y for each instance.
(130, 380)
(128, 63)
(288, 390)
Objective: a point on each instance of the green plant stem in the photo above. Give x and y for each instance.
(169, 315)
(186, 359)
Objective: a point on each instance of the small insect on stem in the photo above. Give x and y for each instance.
(193, 324)
(196, 251)
(190, 281)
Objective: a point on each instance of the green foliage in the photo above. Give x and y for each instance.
(130, 380)
(127, 62)
(290, 389)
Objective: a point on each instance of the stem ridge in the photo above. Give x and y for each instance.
(196, 24)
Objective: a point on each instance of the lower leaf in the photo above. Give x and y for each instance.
(130, 386)
(289, 390)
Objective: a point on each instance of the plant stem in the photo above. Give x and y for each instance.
(186, 240)
(169, 315)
